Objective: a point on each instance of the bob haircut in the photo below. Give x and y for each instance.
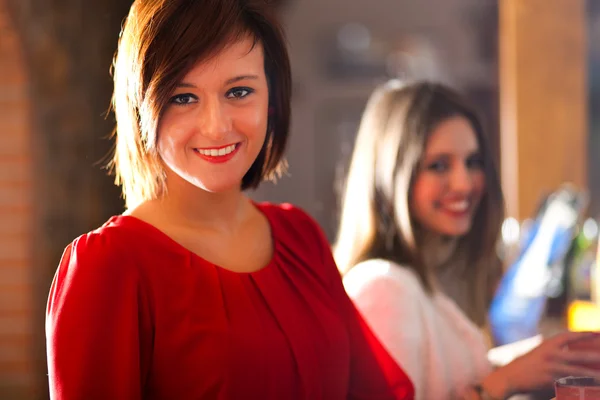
(160, 42)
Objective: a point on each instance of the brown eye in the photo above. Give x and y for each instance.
(475, 163)
(239, 92)
(438, 166)
(183, 99)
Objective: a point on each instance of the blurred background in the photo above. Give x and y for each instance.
(531, 66)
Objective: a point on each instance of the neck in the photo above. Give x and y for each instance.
(437, 249)
(192, 207)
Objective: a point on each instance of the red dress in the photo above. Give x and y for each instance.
(134, 315)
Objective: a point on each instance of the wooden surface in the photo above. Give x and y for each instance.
(543, 99)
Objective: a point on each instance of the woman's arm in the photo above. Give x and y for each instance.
(93, 324)
(539, 368)
(391, 308)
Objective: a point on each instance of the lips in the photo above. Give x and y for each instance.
(218, 154)
(456, 208)
(217, 151)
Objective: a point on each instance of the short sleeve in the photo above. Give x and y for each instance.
(374, 375)
(94, 324)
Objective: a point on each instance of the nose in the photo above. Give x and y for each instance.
(461, 179)
(215, 122)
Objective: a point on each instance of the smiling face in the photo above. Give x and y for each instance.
(450, 181)
(215, 122)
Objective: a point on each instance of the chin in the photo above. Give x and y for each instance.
(217, 185)
(221, 188)
(455, 231)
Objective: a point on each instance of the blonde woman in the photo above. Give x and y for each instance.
(420, 218)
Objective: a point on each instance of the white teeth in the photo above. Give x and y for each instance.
(458, 206)
(217, 152)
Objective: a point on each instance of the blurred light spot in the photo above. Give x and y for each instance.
(590, 229)
(510, 231)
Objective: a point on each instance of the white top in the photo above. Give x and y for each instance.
(439, 348)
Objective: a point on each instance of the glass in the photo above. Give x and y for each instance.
(577, 388)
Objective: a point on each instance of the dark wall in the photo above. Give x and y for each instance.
(68, 45)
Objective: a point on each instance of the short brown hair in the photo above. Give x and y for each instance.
(160, 42)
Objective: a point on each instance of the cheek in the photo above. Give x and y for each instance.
(170, 142)
(426, 191)
(173, 129)
(422, 200)
(479, 183)
(252, 121)
(166, 145)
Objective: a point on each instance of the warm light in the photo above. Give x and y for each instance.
(583, 316)
(510, 231)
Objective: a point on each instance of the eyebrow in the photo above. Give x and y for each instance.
(227, 82)
(449, 155)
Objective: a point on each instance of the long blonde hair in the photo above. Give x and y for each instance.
(375, 219)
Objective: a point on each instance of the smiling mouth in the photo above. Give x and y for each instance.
(218, 155)
(458, 206)
(218, 151)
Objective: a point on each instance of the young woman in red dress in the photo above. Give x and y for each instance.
(196, 292)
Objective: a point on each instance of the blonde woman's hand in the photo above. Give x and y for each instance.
(539, 368)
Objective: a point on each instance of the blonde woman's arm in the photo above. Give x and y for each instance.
(390, 306)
